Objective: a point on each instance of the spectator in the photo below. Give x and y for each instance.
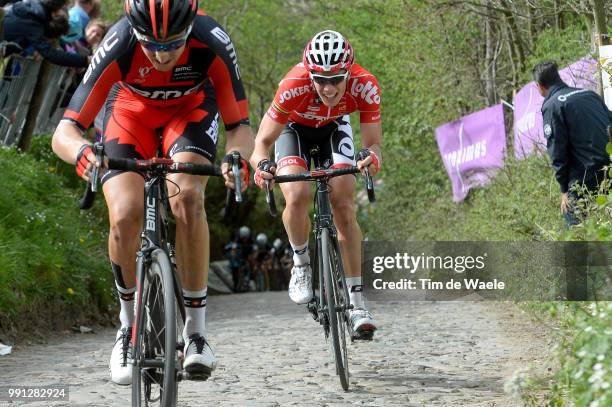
(95, 31)
(81, 12)
(79, 18)
(32, 23)
(575, 126)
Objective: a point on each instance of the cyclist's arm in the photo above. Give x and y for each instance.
(56, 56)
(240, 139)
(224, 73)
(67, 140)
(369, 114)
(371, 135)
(269, 131)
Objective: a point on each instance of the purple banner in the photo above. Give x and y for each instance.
(528, 132)
(472, 149)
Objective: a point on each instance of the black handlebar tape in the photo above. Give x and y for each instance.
(122, 164)
(199, 169)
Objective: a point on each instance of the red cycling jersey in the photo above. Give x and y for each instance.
(209, 58)
(296, 99)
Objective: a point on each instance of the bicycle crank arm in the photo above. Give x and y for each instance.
(312, 308)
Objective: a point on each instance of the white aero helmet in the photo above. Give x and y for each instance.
(328, 51)
(262, 239)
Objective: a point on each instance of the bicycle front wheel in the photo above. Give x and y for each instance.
(154, 377)
(336, 307)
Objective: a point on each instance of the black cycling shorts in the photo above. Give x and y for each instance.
(334, 140)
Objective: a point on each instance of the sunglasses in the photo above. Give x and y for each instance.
(155, 46)
(332, 80)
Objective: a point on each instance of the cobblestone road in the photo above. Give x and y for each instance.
(271, 353)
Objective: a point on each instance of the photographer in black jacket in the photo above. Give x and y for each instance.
(575, 127)
(34, 23)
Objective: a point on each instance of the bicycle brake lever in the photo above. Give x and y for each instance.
(236, 171)
(98, 151)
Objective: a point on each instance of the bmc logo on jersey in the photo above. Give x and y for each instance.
(161, 94)
(293, 92)
(368, 92)
(226, 40)
(103, 49)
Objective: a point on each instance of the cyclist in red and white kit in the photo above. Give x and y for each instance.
(165, 73)
(312, 107)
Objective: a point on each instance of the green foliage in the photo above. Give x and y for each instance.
(51, 252)
(585, 353)
(564, 47)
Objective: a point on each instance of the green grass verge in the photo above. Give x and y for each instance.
(51, 253)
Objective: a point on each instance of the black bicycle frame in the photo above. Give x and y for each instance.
(155, 232)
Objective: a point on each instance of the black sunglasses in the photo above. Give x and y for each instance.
(332, 80)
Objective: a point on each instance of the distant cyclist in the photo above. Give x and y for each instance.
(261, 262)
(312, 107)
(166, 72)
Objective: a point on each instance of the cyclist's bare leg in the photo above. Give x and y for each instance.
(342, 198)
(124, 198)
(192, 250)
(192, 235)
(297, 224)
(298, 199)
(350, 237)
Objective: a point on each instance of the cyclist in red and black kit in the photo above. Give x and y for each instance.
(312, 107)
(165, 73)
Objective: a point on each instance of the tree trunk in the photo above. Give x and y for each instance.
(601, 29)
(601, 32)
(515, 35)
(489, 71)
(530, 23)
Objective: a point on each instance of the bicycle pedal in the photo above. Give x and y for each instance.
(362, 336)
(194, 376)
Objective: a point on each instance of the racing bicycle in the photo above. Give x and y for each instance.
(330, 308)
(157, 354)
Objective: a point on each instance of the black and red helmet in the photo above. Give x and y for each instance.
(160, 19)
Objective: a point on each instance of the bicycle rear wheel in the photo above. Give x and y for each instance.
(154, 378)
(336, 307)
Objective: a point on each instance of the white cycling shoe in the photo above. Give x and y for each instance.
(199, 357)
(300, 285)
(362, 323)
(120, 364)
